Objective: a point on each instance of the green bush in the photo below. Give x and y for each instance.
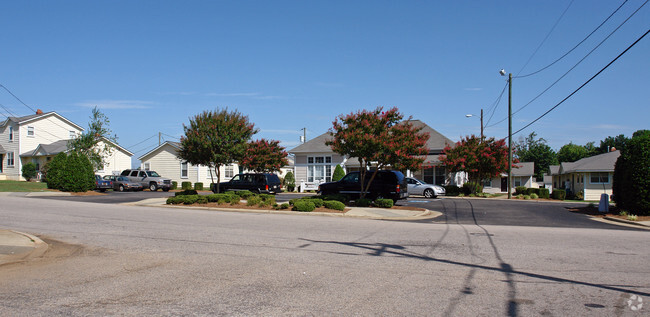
(526, 197)
(452, 190)
(54, 168)
(175, 200)
(303, 205)
(535, 191)
(334, 204)
(77, 175)
(186, 192)
(29, 171)
(631, 182)
(201, 199)
(521, 190)
(186, 185)
(174, 185)
(190, 199)
(363, 202)
(253, 201)
(317, 202)
(338, 197)
(472, 188)
(198, 186)
(338, 173)
(234, 199)
(289, 181)
(219, 198)
(579, 195)
(544, 193)
(267, 199)
(244, 193)
(559, 194)
(383, 203)
(284, 206)
(534, 196)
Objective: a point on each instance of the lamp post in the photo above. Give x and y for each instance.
(471, 115)
(503, 73)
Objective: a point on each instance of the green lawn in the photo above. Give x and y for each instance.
(17, 186)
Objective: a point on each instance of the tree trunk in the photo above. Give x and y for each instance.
(218, 172)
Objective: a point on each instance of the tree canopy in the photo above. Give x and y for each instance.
(264, 156)
(631, 186)
(481, 160)
(378, 139)
(537, 151)
(573, 152)
(216, 138)
(86, 143)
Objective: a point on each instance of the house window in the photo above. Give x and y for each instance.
(599, 178)
(319, 169)
(146, 166)
(30, 131)
(434, 175)
(517, 181)
(440, 175)
(72, 134)
(487, 183)
(11, 133)
(183, 169)
(229, 171)
(428, 175)
(10, 159)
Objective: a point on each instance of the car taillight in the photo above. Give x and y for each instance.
(267, 187)
(398, 189)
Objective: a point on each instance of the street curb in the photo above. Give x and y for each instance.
(523, 200)
(424, 215)
(39, 249)
(626, 221)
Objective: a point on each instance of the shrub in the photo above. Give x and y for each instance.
(317, 202)
(383, 203)
(534, 196)
(198, 186)
(190, 199)
(461, 195)
(174, 185)
(334, 204)
(472, 188)
(244, 193)
(303, 205)
(213, 198)
(452, 190)
(54, 169)
(338, 197)
(521, 190)
(559, 194)
(526, 197)
(253, 201)
(29, 171)
(580, 195)
(363, 202)
(186, 185)
(531, 191)
(632, 217)
(338, 173)
(289, 181)
(284, 206)
(631, 183)
(544, 193)
(77, 175)
(174, 200)
(186, 192)
(234, 199)
(623, 213)
(268, 199)
(520, 196)
(201, 199)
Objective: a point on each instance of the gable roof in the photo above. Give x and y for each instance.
(34, 117)
(175, 145)
(524, 169)
(599, 163)
(554, 169)
(62, 146)
(436, 141)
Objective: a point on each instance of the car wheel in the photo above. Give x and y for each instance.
(428, 193)
(102, 190)
(153, 187)
(121, 188)
(165, 189)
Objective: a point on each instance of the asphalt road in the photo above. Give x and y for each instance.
(108, 259)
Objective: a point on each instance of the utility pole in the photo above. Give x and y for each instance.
(481, 125)
(510, 136)
(304, 135)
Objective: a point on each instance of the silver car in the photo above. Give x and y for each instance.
(418, 187)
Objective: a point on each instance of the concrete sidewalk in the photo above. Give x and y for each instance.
(356, 212)
(17, 246)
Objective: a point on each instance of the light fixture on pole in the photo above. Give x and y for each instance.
(471, 115)
(503, 73)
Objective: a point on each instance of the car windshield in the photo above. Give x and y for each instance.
(152, 174)
(421, 181)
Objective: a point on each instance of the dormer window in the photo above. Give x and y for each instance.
(30, 131)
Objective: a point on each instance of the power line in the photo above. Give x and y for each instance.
(576, 65)
(149, 138)
(547, 35)
(590, 79)
(11, 93)
(495, 105)
(579, 43)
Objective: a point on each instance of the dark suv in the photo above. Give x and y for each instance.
(387, 184)
(260, 183)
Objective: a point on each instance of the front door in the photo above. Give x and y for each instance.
(504, 184)
(2, 159)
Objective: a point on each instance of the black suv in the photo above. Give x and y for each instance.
(260, 183)
(387, 184)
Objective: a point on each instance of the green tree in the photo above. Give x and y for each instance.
(479, 159)
(88, 143)
(618, 142)
(53, 170)
(338, 173)
(264, 156)
(29, 171)
(70, 173)
(631, 186)
(378, 139)
(216, 138)
(290, 181)
(537, 151)
(572, 152)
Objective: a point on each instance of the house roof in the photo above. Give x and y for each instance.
(176, 145)
(524, 169)
(599, 163)
(2, 150)
(436, 141)
(554, 169)
(33, 117)
(62, 146)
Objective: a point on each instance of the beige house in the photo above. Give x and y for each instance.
(39, 137)
(522, 175)
(592, 176)
(315, 161)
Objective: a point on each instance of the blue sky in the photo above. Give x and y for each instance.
(151, 65)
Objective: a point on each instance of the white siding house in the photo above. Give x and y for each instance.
(165, 161)
(592, 176)
(39, 137)
(522, 175)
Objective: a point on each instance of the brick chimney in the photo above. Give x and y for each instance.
(39, 111)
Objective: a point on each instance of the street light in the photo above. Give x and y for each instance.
(503, 73)
(471, 115)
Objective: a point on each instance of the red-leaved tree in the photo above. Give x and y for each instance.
(378, 139)
(216, 138)
(479, 159)
(264, 156)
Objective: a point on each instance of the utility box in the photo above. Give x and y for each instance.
(603, 206)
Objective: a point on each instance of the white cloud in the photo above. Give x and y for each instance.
(116, 104)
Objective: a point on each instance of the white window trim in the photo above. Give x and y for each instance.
(11, 134)
(600, 183)
(33, 131)
(311, 167)
(13, 159)
(187, 170)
